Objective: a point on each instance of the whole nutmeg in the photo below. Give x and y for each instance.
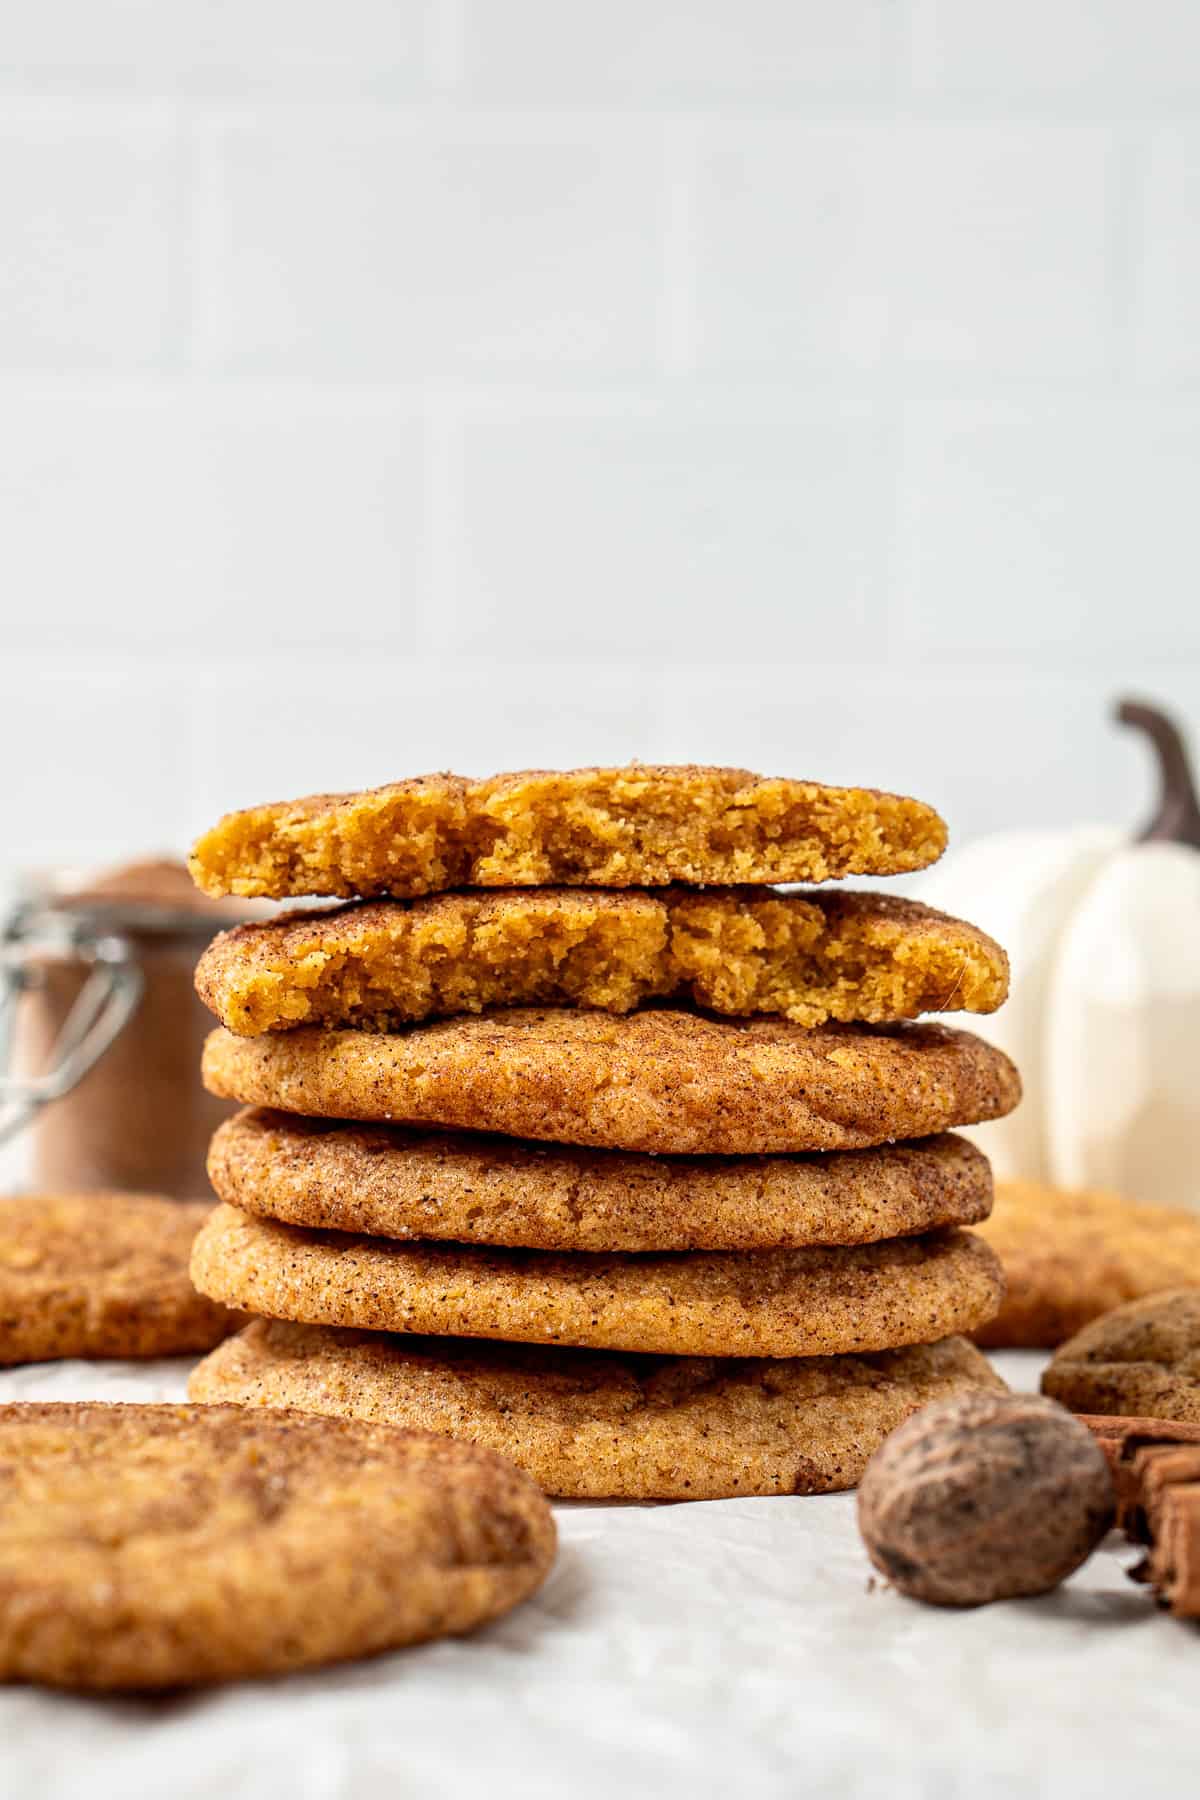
(983, 1497)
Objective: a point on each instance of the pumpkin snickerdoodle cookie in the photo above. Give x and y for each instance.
(153, 1546)
(809, 957)
(99, 1275)
(641, 825)
(1141, 1360)
(657, 1080)
(599, 1425)
(811, 1302)
(1071, 1254)
(392, 1181)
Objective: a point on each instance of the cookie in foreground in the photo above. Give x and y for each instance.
(1141, 1359)
(393, 1181)
(99, 1275)
(658, 1080)
(157, 1546)
(598, 1425)
(808, 957)
(811, 1302)
(639, 825)
(1071, 1254)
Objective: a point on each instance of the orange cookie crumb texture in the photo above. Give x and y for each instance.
(809, 957)
(641, 825)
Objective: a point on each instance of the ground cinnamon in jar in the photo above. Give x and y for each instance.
(139, 1119)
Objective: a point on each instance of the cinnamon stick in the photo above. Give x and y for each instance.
(1155, 1465)
(1174, 1559)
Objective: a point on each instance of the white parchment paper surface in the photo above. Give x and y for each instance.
(728, 1648)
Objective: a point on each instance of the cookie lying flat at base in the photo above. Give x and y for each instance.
(1142, 1359)
(392, 1181)
(597, 1425)
(809, 1302)
(808, 957)
(643, 825)
(657, 1080)
(152, 1546)
(100, 1275)
(1070, 1255)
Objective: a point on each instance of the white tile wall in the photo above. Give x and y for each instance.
(94, 761)
(810, 384)
(230, 521)
(90, 223)
(1005, 246)
(612, 531)
(364, 244)
(795, 233)
(219, 47)
(1019, 504)
(754, 50)
(1167, 306)
(1125, 52)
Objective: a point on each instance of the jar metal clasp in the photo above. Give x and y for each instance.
(104, 1005)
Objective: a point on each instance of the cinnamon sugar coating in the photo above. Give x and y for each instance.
(807, 956)
(1071, 1254)
(98, 1275)
(640, 825)
(1142, 1359)
(811, 1302)
(599, 1425)
(153, 1546)
(657, 1080)
(392, 1181)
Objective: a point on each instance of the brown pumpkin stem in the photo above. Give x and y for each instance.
(1177, 818)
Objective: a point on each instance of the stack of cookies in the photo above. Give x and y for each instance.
(575, 1136)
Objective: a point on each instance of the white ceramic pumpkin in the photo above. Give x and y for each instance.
(1104, 1015)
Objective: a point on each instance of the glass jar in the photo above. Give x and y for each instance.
(101, 1030)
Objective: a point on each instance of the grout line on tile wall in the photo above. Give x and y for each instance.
(445, 46)
(438, 596)
(1127, 247)
(678, 325)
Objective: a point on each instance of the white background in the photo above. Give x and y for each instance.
(395, 384)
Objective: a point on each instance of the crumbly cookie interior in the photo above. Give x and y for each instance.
(854, 957)
(607, 827)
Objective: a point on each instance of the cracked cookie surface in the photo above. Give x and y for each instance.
(808, 957)
(657, 1080)
(1071, 1254)
(811, 1302)
(154, 1546)
(1141, 1360)
(600, 1425)
(638, 825)
(393, 1181)
(100, 1275)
